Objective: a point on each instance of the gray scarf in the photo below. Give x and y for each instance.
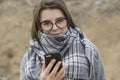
(49, 44)
(55, 44)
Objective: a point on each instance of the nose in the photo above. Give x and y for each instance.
(55, 27)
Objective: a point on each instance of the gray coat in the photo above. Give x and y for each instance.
(97, 71)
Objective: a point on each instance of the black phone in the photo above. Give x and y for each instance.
(49, 57)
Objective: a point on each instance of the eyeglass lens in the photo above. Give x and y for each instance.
(47, 25)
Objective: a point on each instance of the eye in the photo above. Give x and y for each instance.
(46, 23)
(60, 20)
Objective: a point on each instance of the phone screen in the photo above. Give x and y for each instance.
(49, 57)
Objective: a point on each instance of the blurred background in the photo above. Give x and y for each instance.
(99, 19)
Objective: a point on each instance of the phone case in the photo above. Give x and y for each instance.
(49, 57)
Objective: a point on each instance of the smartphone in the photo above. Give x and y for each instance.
(49, 57)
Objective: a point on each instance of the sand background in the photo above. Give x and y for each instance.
(99, 19)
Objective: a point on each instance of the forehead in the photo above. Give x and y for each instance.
(51, 14)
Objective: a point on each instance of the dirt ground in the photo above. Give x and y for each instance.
(15, 25)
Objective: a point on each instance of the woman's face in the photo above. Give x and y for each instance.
(53, 22)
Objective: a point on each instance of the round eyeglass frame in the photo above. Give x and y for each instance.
(52, 24)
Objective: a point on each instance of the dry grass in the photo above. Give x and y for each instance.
(102, 28)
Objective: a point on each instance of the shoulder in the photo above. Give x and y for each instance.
(27, 55)
(91, 50)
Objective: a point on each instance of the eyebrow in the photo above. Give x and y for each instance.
(59, 18)
(50, 20)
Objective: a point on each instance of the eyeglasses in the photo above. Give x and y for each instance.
(47, 25)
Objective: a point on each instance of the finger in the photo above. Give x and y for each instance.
(49, 67)
(56, 68)
(43, 66)
(61, 73)
(43, 76)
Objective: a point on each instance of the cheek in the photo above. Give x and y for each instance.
(65, 30)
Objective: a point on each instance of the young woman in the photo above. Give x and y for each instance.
(54, 32)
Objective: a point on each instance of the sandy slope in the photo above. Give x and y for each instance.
(15, 24)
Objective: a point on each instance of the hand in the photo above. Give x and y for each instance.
(54, 75)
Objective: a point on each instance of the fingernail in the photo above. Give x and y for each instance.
(59, 62)
(42, 62)
(54, 60)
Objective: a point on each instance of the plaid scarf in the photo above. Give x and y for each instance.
(68, 45)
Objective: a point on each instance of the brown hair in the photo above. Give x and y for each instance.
(48, 4)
